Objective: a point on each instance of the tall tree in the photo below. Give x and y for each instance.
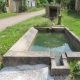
(50, 1)
(58, 1)
(2, 6)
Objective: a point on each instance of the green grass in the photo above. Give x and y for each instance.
(4, 15)
(9, 36)
(75, 69)
(72, 21)
(34, 9)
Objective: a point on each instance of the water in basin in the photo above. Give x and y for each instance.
(56, 43)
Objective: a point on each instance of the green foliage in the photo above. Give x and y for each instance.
(71, 5)
(9, 36)
(1, 66)
(51, 1)
(23, 8)
(58, 1)
(71, 20)
(38, 3)
(4, 15)
(74, 68)
(42, 3)
(64, 3)
(34, 9)
(2, 6)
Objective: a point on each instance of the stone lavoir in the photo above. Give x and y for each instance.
(19, 53)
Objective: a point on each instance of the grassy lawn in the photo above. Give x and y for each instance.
(75, 69)
(4, 15)
(34, 9)
(72, 21)
(9, 36)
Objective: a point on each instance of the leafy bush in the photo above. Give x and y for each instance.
(74, 68)
(22, 8)
(49, 1)
(2, 6)
(1, 66)
(42, 3)
(71, 5)
(58, 1)
(38, 3)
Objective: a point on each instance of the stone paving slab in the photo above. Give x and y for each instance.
(26, 72)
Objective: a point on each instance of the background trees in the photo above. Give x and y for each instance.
(2, 6)
(42, 3)
(69, 4)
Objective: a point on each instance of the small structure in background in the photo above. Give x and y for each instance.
(19, 5)
(31, 3)
(15, 5)
(53, 11)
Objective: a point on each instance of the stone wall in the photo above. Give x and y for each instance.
(74, 39)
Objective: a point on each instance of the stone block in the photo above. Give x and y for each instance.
(73, 38)
(73, 56)
(23, 58)
(63, 56)
(59, 70)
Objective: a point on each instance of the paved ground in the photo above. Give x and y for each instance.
(29, 72)
(7, 22)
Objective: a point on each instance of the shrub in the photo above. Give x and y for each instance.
(38, 3)
(49, 1)
(71, 5)
(2, 6)
(42, 3)
(58, 1)
(22, 8)
(74, 68)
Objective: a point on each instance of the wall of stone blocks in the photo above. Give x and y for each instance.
(73, 38)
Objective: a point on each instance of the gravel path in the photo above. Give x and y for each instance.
(7, 22)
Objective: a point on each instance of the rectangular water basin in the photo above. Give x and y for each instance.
(55, 43)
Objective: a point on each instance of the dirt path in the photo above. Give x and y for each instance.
(7, 22)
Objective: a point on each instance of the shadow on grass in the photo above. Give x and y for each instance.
(73, 14)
